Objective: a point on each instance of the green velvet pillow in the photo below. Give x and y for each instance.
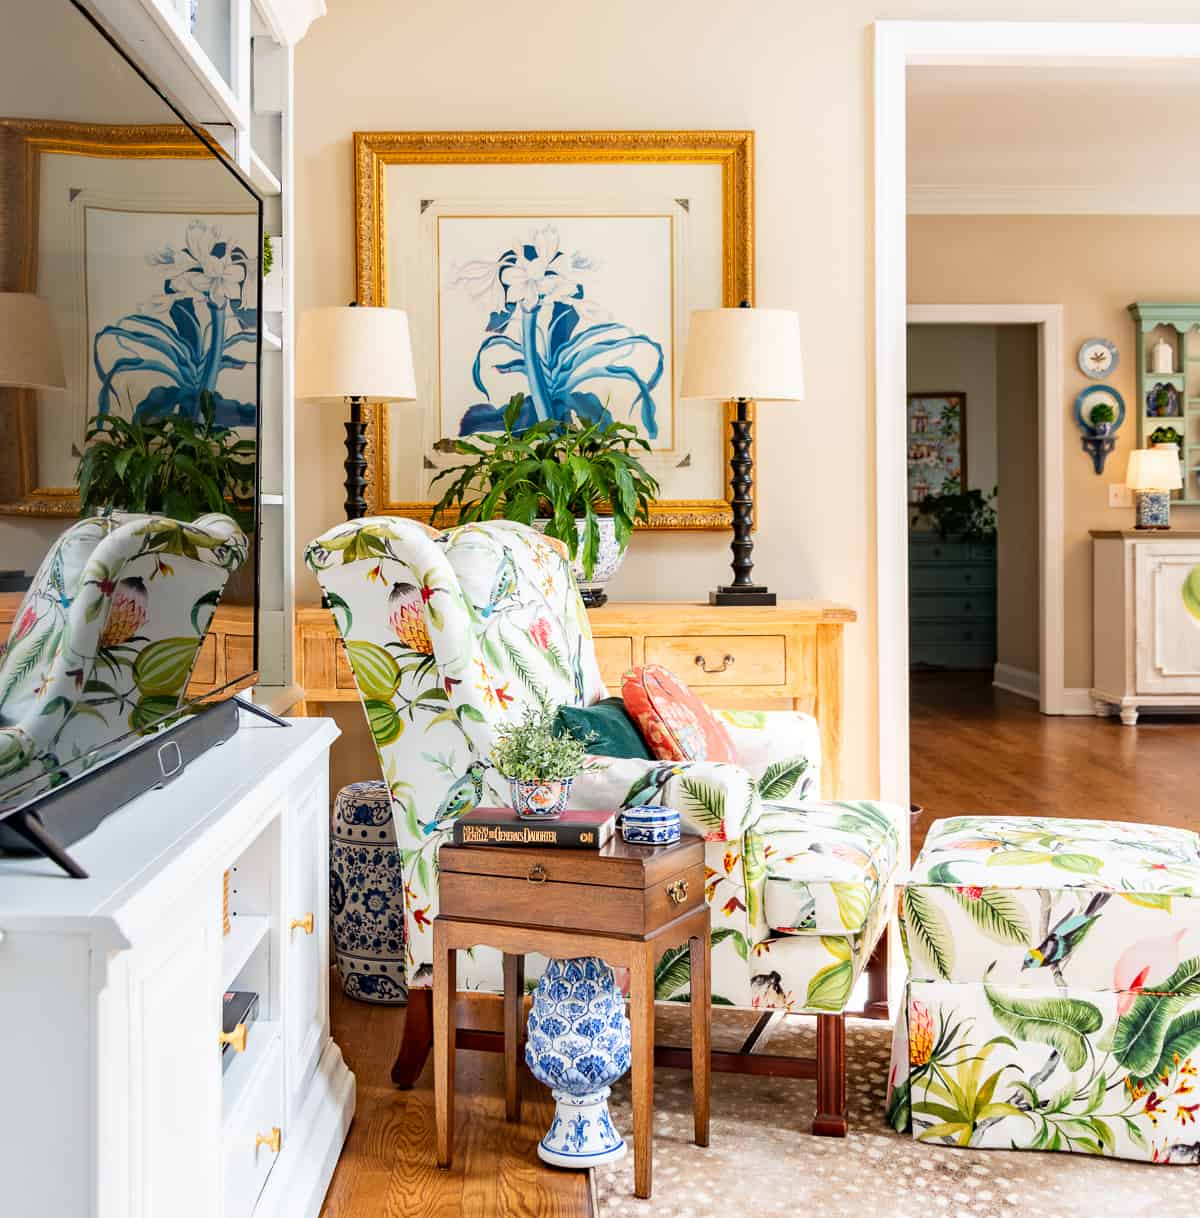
(616, 733)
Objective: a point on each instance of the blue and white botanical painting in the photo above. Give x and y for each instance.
(172, 314)
(577, 312)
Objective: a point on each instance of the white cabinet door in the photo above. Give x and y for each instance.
(305, 953)
(1168, 636)
(175, 1102)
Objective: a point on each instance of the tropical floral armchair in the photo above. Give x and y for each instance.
(451, 634)
(104, 642)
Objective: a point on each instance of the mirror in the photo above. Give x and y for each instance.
(129, 394)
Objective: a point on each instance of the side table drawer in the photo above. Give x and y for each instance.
(714, 660)
(538, 899)
(614, 656)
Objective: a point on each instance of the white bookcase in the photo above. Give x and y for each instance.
(232, 73)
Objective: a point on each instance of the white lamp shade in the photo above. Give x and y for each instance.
(1154, 469)
(30, 357)
(744, 353)
(353, 351)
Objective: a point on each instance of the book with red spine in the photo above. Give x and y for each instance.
(503, 827)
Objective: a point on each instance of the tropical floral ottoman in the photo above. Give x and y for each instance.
(1053, 1000)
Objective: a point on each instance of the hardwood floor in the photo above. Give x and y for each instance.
(387, 1168)
(975, 748)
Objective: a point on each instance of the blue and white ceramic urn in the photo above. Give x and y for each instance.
(366, 896)
(578, 1045)
(647, 825)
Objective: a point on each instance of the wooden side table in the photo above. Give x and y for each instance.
(626, 904)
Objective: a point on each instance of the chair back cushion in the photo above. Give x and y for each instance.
(675, 724)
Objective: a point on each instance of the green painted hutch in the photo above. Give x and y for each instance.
(1179, 326)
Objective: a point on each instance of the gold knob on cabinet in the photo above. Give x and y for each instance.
(678, 892)
(235, 1039)
(305, 924)
(272, 1141)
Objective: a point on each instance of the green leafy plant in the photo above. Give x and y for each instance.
(1167, 435)
(532, 749)
(966, 514)
(1102, 412)
(180, 467)
(268, 257)
(553, 470)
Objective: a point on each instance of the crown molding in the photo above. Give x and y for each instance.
(1148, 200)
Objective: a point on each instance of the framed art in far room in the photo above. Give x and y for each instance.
(560, 265)
(937, 444)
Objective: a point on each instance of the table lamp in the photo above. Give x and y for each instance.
(354, 353)
(745, 354)
(1152, 475)
(30, 357)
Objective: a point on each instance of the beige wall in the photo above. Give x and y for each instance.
(1093, 266)
(799, 75)
(1017, 457)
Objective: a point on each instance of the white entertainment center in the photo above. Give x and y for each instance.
(110, 1000)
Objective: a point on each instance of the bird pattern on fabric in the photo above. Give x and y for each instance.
(504, 585)
(465, 795)
(1066, 935)
(648, 789)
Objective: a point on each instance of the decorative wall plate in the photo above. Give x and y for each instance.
(1093, 396)
(1098, 358)
(1163, 402)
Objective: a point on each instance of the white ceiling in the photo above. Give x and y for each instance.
(1111, 136)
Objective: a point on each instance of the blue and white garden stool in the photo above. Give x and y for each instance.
(366, 896)
(579, 1045)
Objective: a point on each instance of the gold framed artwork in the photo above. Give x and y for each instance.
(562, 265)
(104, 221)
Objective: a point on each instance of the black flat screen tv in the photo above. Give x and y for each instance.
(130, 351)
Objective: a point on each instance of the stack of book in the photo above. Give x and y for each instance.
(503, 827)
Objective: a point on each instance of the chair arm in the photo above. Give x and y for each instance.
(781, 750)
(715, 799)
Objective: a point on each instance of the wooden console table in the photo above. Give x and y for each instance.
(786, 656)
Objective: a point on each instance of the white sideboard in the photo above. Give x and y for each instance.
(116, 1100)
(1146, 645)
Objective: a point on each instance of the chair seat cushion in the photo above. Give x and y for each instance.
(1048, 902)
(826, 864)
(614, 731)
(674, 722)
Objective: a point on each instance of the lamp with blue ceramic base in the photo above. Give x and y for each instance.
(1152, 475)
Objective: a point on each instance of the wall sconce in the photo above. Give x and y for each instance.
(1099, 411)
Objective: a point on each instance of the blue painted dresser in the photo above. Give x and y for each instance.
(951, 603)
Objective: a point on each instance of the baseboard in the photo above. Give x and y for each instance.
(1018, 681)
(1077, 702)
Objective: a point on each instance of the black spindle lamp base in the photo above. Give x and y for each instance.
(743, 590)
(356, 462)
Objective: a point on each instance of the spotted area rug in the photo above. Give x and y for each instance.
(762, 1160)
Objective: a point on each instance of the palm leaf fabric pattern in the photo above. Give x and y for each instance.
(451, 634)
(105, 640)
(1063, 954)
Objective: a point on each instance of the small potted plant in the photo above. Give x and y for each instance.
(540, 764)
(1101, 418)
(582, 482)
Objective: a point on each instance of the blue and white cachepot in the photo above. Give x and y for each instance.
(647, 825)
(366, 896)
(609, 556)
(539, 798)
(578, 1044)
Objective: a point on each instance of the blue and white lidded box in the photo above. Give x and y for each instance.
(650, 826)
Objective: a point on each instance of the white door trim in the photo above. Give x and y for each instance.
(896, 45)
(1048, 319)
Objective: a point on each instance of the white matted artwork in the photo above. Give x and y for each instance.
(562, 266)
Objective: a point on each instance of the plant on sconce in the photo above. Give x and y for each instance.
(1099, 412)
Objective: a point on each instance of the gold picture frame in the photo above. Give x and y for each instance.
(23, 142)
(374, 151)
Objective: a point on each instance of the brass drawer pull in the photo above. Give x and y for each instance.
(235, 1039)
(272, 1141)
(305, 924)
(702, 664)
(537, 874)
(678, 891)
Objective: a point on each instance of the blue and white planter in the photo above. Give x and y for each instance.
(609, 557)
(366, 896)
(1153, 509)
(646, 825)
(578, 1044)
(539, 799)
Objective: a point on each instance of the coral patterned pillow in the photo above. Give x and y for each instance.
(675, 724)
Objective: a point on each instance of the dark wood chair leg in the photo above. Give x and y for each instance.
(417, 1040)
(877, 981)
(830, 1121)
(514, 1007)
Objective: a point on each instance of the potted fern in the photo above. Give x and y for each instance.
(539, 763)
(582, 482)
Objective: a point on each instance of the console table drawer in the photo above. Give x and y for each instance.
(614, 655)
(722, 659)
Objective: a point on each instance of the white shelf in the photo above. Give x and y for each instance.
(246, 932)
(261, 1035)
(262, 177)
(269, 500)
(271, 340)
